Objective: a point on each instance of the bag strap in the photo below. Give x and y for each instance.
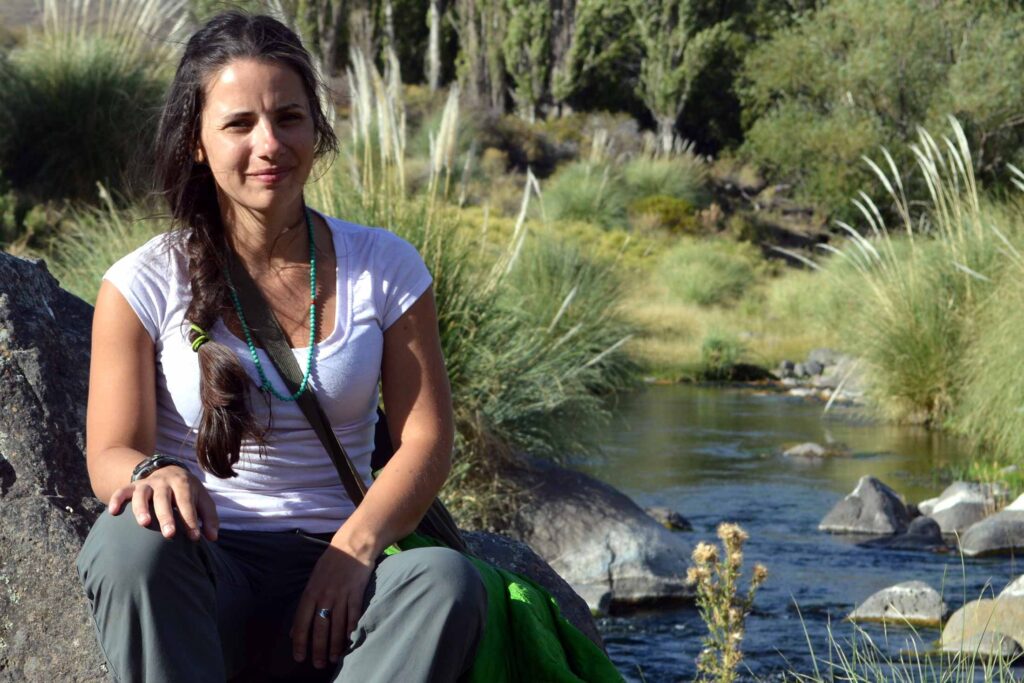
(267, 332)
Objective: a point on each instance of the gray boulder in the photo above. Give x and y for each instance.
(807, 450)
(985, 623)
(923, 534)
(1000, 534)
(514, 556)
(785, 369)
(813, 368)
(961, 505)
(872, 508)
(914, 603)
(608, 549)
(46, 504)
(669, 518)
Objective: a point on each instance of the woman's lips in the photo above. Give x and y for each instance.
(270, 176)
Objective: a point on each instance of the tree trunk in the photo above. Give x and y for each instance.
(473, 67)
(666, 133)
(563, 26)
(330, 35)
(434, 46)
(495, 24)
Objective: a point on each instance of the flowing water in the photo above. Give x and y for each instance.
(715, 455)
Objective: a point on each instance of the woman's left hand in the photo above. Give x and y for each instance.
(337, 583)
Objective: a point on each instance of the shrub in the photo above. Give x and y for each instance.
(681, 177)
(667, 213)
(859, 74)
(709, 272)
(585, 192)
(719, 354)
(80, 98)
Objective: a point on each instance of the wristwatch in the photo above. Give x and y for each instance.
(153, 463)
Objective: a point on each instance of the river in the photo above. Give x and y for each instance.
(714, 455)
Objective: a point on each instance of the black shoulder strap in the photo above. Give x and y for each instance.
(268, 333)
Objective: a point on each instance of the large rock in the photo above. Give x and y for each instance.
(1000, 534)
(923, 534)
(914, 603)
(46, 505)
(872, 508)
(961, 505)
(599, 540)
(985, 622)
(515, 556)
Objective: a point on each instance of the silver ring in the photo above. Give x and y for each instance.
(323, 613)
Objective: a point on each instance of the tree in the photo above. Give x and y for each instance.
(676, 49)
(481, 26)
(433, 71)
(526, 50)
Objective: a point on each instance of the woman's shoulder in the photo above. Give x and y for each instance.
(160, 259)
(370, 242)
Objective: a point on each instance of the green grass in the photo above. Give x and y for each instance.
(709, 272)
(682, 177)
(582, 191)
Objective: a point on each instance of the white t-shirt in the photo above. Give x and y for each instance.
(379, 276)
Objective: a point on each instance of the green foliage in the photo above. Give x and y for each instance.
(667, 213)
(526, 47)
(857, 75)
(203, 10)
(719, 354)
(681, 177)
(709, 272)
(586, 192)
(78, 105)
(676, 49)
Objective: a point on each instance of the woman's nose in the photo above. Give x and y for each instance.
(267, 141)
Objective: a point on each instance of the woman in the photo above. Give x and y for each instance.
(196, 570)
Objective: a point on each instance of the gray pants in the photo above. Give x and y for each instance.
(184, 611)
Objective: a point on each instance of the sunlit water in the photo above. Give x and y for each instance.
(715, 455)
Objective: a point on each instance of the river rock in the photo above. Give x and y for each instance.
(985, 622)
(922, 534)
(961, 505)
(46, 504)
(1000, 534)
(608, 549)
(669, 518)
(785, 369)
(1014, 589)
(514, 556)
(872, 508)
(912, 602)
(813, 368)
(824, 357)
(806, 450)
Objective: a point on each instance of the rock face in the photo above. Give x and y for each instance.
(1000, 534)
(605, 546)
(46, 504)
(913, 602)
(960, 505)
(986, 622)
(517, 557)
(872, 508)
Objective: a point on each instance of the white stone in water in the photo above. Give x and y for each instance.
(1014, 589)
(911, 602)
(965, 496)
(1017, 505)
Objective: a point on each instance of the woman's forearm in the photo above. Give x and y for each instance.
(111, 469)
(398, 499)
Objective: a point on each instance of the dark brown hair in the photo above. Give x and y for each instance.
(188, 186)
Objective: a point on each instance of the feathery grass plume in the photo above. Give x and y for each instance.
(922, 280)
(716, 578)
(81, 96)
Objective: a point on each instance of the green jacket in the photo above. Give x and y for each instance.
(526, 638)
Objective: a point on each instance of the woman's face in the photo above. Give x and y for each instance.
(257, 135)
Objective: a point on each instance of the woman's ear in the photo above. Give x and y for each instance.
(199, 156)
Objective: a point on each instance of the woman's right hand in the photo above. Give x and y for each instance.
(168, 488)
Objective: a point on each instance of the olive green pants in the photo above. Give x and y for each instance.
(193, 611)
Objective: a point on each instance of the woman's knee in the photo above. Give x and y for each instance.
(449, 581)
(119, 549)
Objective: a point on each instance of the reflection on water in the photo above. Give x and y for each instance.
(715, 455)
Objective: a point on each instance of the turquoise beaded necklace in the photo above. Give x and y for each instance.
(266, 385)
